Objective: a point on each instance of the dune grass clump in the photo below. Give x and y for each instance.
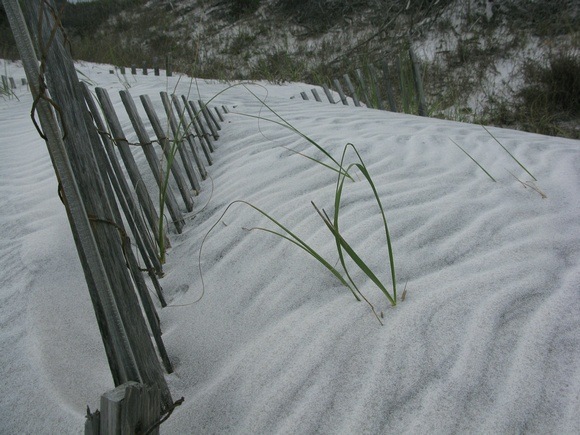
(343, 248)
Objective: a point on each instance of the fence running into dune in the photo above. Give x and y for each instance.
(368, 85)
(146, 68)
(103, 189)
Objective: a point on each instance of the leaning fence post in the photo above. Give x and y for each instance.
(304, 96)
(328, 94)
(351, 89)
(316, 96)
(338, 87)
(199, 131)
(363, 86)
(124, 332)
(418, 83)
(153, 160)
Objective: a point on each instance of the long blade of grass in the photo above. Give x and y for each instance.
(338, 194)
(475, 161)
(352, 254)
(511, 155)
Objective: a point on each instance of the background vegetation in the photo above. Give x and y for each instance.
(512, 63)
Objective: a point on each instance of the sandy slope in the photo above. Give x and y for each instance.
(488, 339)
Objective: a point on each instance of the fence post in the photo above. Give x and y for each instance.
(418, 83)
(128, 409)
(390, 94)
(304, 96)
(316, 96)
(168, 65)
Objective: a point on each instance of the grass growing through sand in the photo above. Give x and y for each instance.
(343, 248)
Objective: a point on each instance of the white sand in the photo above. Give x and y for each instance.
(487, 340)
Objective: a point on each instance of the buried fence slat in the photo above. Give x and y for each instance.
(12, 83)
(225, 109)
(133, 356)
(123, 72)
(351, 90)
(304, 96)
(215, 121)
(179, 140)
(206, 135)
(338, 87)
(211, 123)
(24, 82)
(363, 87)
(158, 173)
(133, 70)
(219, 114)
(316, 96)
(422, 106)
(201, 136)
(389, 86)
(5, 83)
(189, 136)
(145, 72)
(130, 208)
(129, 161)
(328, 94)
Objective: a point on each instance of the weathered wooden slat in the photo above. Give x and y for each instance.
(105, 169)
(422, 105)
(202, 126)
(133, 70)
(154, 163)
(328, 94)
(190, 136)
(316, 96)
(221, 118)
(351, 89)
(213, 119)
(129, 409)
(128, 159)
(123, 71)
(145, 71)
(130, 208)
(201, 136)
(5, 83)
(225, 109)
(208, 119)
(168, 70)
(304, 96)
(12, 82)
(389, 86)
(134, 352)
(363, 87)
(170, 152)
(338, 87)
(179, 138)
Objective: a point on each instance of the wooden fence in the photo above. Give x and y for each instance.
(374, 88)
(146, 68)
(88, 149)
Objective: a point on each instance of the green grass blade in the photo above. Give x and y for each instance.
(475, 161)
(511, 155)
(352, 254)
